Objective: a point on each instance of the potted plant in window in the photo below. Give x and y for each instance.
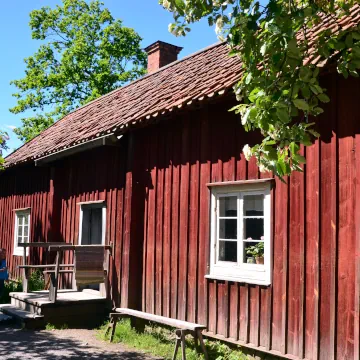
(257, 252)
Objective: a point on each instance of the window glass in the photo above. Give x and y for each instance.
(228, 229)
(228, 251)
(228, 206)
(253, 229)
(253, 205)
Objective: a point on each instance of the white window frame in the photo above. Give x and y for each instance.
(19, 251)
(240, 271)
(100, 203)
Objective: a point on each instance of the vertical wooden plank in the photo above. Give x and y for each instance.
(119, 224)
(280, 220)
(328, 225)
(192, 279)
(312, 215)
(234, 311)
(344, 306)
(147, 185)
(295, 265)
(357, 251)
(266, 292)
(285, 274)
(159, 220)
(150, 264)
(204, 224)
(127, 224)
(175, 203)
(168, 260)
(184, 221)
(212, 306)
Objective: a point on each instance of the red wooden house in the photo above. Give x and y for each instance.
(156, 168)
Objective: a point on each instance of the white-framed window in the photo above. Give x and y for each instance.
(21, 231)
(240, 232)
(92, 224)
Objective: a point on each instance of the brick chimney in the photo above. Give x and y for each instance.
(160, 54)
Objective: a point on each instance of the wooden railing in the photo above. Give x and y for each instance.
(58, 268)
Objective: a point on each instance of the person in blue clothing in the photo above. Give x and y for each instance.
(3, 270)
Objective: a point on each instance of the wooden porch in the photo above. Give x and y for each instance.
(75, 307)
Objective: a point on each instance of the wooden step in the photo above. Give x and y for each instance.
(5, 319)
(26, 318)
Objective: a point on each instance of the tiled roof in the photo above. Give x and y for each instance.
(201, 75)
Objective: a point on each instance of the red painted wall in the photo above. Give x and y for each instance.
(157, 201)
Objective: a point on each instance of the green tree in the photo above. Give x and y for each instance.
(3, 146)
(279, 88)
(85, 53)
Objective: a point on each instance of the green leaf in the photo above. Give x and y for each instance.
(323, 98)
(301, 104)
(299, 158)
(263, 49)
(283, 115)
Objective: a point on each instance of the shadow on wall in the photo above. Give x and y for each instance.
(14, 343)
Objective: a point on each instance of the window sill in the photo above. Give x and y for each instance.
(20, 252)
(237, 279)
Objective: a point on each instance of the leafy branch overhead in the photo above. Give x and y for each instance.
(3, 146)
(279, 90)
(84, 53)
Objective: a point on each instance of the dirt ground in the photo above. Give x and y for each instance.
(70, 344)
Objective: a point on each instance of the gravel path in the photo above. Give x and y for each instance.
(71, 344)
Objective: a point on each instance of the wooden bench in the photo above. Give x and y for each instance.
(182, 328)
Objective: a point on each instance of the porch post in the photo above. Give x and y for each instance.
(25, 273)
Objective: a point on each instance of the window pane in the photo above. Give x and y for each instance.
(253, 229)
(254, 253)
(228, 206)
(26, 220)
(20, 231)
(20, 219)
(26, 239)
(19, 239)
(228, 229)
(228, 251)
(26, 230)
(254, 205)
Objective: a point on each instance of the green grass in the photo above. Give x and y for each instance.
(160, 342)
(51, 327)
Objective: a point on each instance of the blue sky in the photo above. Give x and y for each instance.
(148, 18)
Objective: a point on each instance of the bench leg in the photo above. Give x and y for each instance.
(108, 328)
(177, 344)
(113, 329)
(183, 344)
(202, 345)
(196, 339)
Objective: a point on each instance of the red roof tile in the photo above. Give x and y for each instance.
(201, 75)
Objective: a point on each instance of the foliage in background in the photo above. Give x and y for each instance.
(10, 286)
(84, 53)
(3, 146)
(279, 88)
(161, 342)
(36, 283)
